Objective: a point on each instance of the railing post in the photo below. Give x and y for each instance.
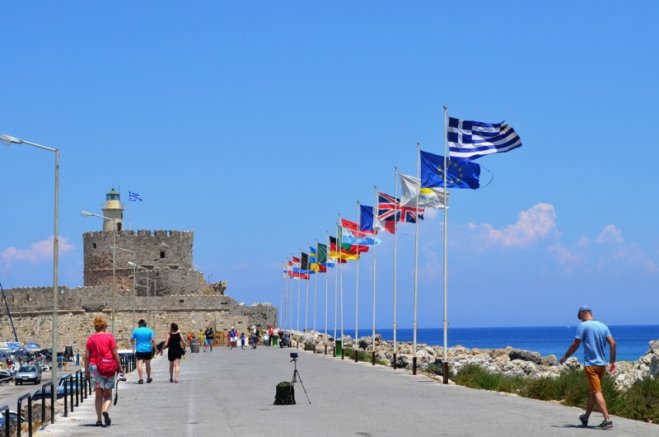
(27, 396)
(71, 390)
(66, 398)
(6, 414)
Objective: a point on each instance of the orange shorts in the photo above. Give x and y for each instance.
(594, 375)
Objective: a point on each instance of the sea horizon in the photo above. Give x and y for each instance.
(632, 340)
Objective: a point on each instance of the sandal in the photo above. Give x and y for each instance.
(106, 418)
(148, 380)
(99, 423)
(141, 381)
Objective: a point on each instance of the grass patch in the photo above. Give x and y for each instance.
(349, 354)
(639, 402)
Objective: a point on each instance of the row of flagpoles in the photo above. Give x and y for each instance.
(464, 142)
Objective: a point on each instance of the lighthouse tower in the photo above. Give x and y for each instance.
(113, 211)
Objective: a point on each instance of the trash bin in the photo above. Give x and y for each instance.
(338, 348)
(274, 341)
(194, 345)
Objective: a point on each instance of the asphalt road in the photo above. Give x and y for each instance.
(231, 393)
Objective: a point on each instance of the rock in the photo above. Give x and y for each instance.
(517, 354)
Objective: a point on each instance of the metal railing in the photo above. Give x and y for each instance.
(76, 388)
(19, 410)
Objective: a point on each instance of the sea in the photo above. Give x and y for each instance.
(632, 341)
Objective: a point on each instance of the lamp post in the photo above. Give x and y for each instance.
(14, 140)
(134, 268)
(114, 259)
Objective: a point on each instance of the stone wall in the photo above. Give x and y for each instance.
(31, 309)
(164, 257)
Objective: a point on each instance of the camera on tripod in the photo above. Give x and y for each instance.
(294, 355)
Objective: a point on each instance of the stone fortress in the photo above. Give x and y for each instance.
(155, 280)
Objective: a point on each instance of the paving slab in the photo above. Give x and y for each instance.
(231, 393)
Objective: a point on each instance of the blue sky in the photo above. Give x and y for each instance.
(254, 125)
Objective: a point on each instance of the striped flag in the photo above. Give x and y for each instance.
(473, 139)
(134, 197)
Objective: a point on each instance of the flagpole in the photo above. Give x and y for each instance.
(290, 303)
(395, 265)
(306, 299)
(445, 366)
(416, 259)
(315, 291)
(299, 298)
(359, 215)
(326, 290)
(341, 289)
(336, 293)
(375, 189)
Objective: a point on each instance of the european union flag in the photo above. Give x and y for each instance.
(460, 173)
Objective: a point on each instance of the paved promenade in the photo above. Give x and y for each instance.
(230, 393)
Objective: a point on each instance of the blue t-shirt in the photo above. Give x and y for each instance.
(593, 336)
(143, 336)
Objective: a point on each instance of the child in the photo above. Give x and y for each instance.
(242, 340)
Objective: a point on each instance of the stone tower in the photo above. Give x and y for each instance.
(114, 210)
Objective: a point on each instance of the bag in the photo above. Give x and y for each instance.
(107, 367)
(285, 394)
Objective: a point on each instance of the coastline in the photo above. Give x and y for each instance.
(508, 360)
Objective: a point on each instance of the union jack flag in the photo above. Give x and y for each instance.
(409, 214)
(388, 212)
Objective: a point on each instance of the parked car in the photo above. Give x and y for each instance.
(28, 373)
(60, 389)
(13, 418)
(5, 377)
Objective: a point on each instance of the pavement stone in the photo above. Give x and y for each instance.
(231, 393)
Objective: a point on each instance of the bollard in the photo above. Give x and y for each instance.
(393, 363)
(373, 358)
(414, 366)
(356, 355)
(78, 359)
(445, 375)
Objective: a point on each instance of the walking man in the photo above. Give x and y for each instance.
(594, 335)
(144, 340)
(209, 334)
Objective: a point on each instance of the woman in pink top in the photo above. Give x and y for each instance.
(101, 350)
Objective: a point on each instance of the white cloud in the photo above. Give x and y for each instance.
(532, 225)
(610, 254)
(37, 252)
(610, 234)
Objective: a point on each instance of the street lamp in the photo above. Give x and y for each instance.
(14, 140)
(114, 259)
(148, 319)
(134, 266)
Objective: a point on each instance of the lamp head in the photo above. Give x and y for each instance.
(86, 213)
(10, 139)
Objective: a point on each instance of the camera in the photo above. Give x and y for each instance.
(294, 355)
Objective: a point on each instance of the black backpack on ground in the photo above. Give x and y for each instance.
(285, 394)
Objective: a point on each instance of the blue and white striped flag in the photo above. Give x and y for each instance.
(134, 197)
(473, 139)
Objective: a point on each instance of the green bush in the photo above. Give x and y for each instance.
(474, 376)
(640, 401)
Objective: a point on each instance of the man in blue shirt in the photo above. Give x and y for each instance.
(594, 335)
(145, 343)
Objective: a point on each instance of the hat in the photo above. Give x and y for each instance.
(583, 308)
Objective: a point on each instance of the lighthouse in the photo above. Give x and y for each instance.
(113, 212)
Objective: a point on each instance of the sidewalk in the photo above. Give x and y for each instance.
(230, 393)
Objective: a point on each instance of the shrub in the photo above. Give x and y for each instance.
(474, 376)
(640, 401)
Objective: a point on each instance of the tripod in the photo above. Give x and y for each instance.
(296, 376)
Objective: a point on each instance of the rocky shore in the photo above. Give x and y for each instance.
(508, 361)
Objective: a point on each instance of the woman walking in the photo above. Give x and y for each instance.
(175, 349)
(101, 364)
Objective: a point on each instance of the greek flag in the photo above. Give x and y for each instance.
(134, 197)
(473, 139)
